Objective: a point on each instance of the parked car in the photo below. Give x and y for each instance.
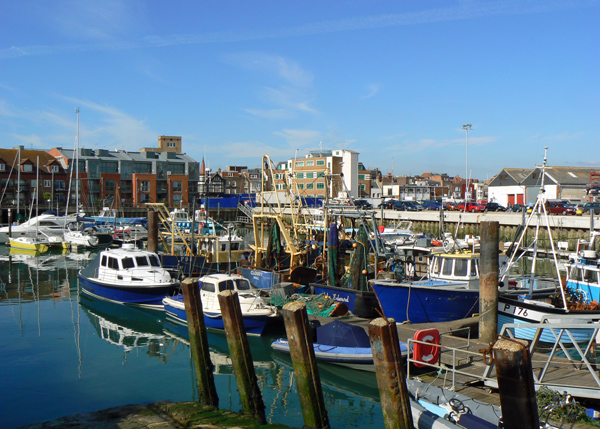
(494, 207)
(471, 207)
(407, 206)
(451, 205)
(388, 205)
(595, 206)
(363, 204)
(558, 207)
(431, 205)
(518, 208)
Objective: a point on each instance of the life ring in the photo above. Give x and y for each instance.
(426, 354)
(381, 228)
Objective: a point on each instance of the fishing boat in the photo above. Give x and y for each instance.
(340, 343)
(425, 301)
(255, 312)
(534, 305)
(109, 216)
(129, 276)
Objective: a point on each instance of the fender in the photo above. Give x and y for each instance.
(426, 353)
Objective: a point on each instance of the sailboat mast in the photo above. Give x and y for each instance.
(37, 191)
(19, 186)
(77, 168)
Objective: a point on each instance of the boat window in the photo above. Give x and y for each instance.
(447, 267)
(590, 276)
(223, 247)
(242, 284)
(103, 261)
(154, 261)
(436, 265)
(141, 261)
(460, 267)
(208, 287)
(226, 285)
(575, 273)
(113, 263)
(127, 263)
(474, 267)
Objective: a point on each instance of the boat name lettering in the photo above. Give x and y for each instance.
(339, 298)
(256, 273)
(519, 311)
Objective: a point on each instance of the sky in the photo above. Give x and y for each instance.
(393, 80)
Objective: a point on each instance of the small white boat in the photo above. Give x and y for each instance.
(128, 276)
(48, 225)
(255, 311)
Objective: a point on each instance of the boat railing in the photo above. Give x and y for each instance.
(452, 359)
(571, 351)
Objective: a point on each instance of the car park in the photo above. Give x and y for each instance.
(591, 206)
(407, 206)
(517, 208)
(494, 207)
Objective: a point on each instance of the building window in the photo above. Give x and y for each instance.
(310, 163)
(177, 199)
(109, 185)
(362, 187)
(2, 167)
(320, 185)
(177, 186)
(310, 186)
(145, 186)
(300, 185)
(171, 144)
(300, 164)
(27, 168)
(59, 185)
(321, 174)
(361, 177)
(54, 168)
(310, 175)
(300, 175)
(47, 183)
(320, 162)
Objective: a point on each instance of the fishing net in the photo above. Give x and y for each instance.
(316, 305)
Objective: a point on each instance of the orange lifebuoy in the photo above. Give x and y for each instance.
(426, 353)
(381, 228)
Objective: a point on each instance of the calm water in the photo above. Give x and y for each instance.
(64, 352)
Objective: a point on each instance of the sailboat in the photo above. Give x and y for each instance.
(538, 303)
(78, 236)
(37, 243)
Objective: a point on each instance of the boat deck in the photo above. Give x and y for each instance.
(461, 367)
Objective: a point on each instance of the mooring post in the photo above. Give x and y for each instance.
(515, 382)
(152, 231)
(387, 357)
(203, 367)
(488, 281)
(305, 366)
(241, 355)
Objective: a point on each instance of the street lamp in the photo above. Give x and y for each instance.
(467, 127)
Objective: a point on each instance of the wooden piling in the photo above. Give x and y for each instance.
(488, 281)
(152, 231)
(305, 366)
(203, 367)
(515, 382)
(395, 402)
(241, 355)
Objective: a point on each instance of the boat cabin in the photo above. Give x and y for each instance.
(583, 276)
(455, 267)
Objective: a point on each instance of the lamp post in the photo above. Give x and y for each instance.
(467, 127)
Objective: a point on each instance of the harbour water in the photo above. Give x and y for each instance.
(64, 352)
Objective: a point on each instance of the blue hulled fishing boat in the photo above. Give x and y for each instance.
(128, 276)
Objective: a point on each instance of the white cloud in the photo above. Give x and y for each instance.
(297, 139)
(372, 89)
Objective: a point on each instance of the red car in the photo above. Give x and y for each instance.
(471, 207)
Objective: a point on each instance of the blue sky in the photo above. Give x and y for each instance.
(394, 81)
